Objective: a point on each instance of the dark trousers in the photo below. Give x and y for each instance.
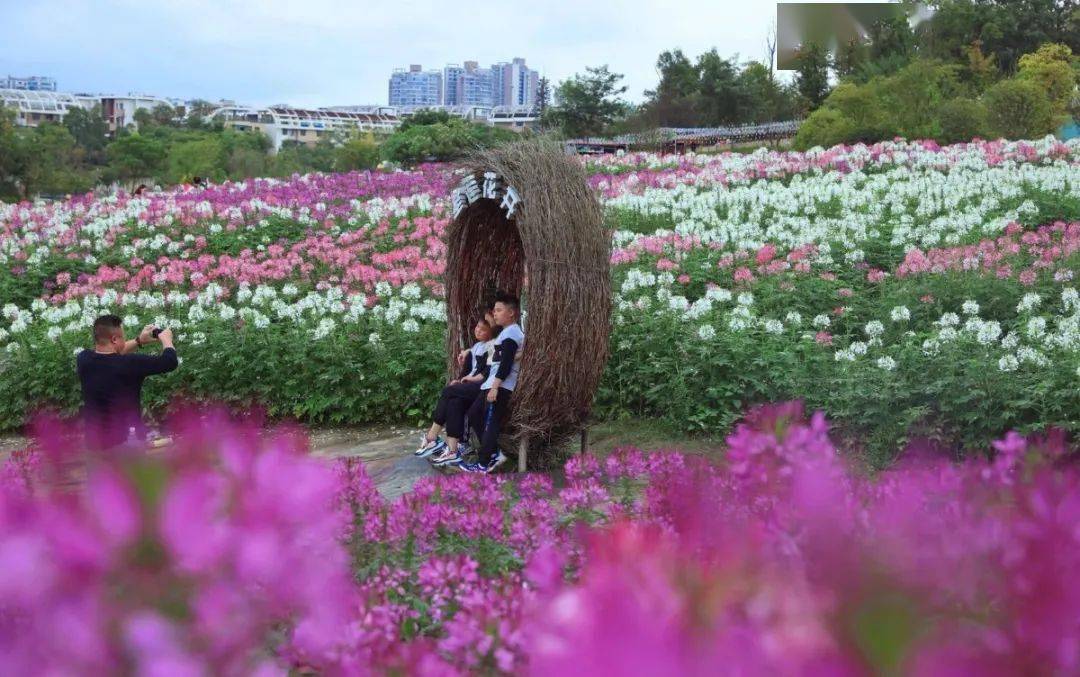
(453, 403)
(488, 430)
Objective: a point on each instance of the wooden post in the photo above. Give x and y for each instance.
(523, 451)
(584, 439)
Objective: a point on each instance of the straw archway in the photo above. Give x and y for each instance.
(526, 222)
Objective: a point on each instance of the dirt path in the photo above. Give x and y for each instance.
(386, 452)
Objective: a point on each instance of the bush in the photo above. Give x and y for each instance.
(825, 127)
(864, 108)
(1018, 109)
(961, 120)
(359, 152)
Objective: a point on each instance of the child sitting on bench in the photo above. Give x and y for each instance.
(456, 398)
(488, 410)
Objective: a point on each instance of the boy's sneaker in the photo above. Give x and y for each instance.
(471, 467)
(492, 465)
(429, 447)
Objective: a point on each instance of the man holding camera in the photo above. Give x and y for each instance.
(112, 376)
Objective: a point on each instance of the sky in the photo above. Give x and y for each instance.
(332, 52)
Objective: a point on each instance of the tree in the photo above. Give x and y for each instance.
(1018, 109)
(201, 157)
(721, 97)
(762, 96)
(588, 103)
(980, 70)
(812, 74)
(1051, 68)
(424, 116)
(543, 97)
(90, 131)
(135, 156)
(358, 152)
(675, 101)
(51, 162)
(11, 155)
(1007, 29)
(825, 127)
(914, 95)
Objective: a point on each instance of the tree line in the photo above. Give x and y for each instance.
(976, 68)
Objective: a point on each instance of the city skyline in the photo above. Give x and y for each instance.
(326, 53)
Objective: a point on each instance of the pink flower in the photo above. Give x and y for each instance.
(823, 338)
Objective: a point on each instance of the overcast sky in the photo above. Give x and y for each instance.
(328, 52)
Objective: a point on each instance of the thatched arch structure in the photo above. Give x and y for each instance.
(526, 222)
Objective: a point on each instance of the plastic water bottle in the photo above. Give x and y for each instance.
(133, 438)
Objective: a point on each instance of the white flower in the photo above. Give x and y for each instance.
(374, 338)
(844, 356)
(900, 314)
(887, 363)
(227, 312)
(76, 351)
(931, 347)
(948, 334)
(1027, 354)
(1070, 298)
(737, 323)
(410, 325)
(988, 333)
(746, 299)
(774, 326)
(53, 333)
(1036, 327)
(970, 307)
(1010, 341)
(1008, 363)
(949, 320)
(821, 321)
(1030, 301)
(718, 294)
(858, 348)
(874, 328)
(706, 332)
(794, 318)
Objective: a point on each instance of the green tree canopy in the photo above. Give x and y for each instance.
(588, 103)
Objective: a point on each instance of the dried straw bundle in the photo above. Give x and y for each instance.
(555, 254)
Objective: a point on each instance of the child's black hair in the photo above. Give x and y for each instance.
(508, 300)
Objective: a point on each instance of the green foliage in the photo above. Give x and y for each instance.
(588, 103)
(1052, 69)
(359, 152)
(825, 127)
(135, 156)
(90, 131)
(962, 120)
(1006, 30)
(203, 157)
(440, 141)
(1018, 109)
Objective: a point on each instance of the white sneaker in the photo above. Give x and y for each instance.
(429, 447)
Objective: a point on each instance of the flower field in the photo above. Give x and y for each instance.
(235, 552)
(903, 288)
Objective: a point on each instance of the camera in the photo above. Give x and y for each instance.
(156, 331)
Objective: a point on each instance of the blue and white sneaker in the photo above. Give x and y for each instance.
(492, 465)
(471, 467)
(427, 448)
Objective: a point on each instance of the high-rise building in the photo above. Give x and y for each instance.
(505, 84)
(515, 84)
(33, 83)
(416, 88)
